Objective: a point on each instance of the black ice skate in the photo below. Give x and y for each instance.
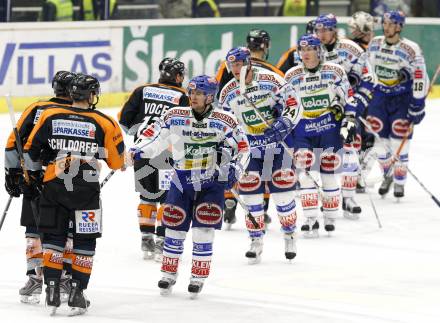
(289, 246)
(53, 300)
(267, 219)
(166, 285)
(254, 253)
(194, 288)
(329, 225)
(385, 186)
(360, 188)
(31, 292)
(310, 228)
(78, 303)
(65, 288)
(147, 245)
(399, 191)
(351, 208)
(158, 249)
(229, 215)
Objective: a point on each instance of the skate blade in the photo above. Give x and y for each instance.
(52, 310)
(314, 234)
(228, 226)
(165, 291)
(158, 257)
(254, 261)
(193, 295)
(148, 255)
(74, 311)
(350, 216)
(30, 299)
(64, 297)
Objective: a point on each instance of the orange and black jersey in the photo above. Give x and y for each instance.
(70, 134)
(149, 102)
(224, 76)
(25, 124)
(288, 60)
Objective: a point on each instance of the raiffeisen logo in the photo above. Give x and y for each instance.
(32, 63)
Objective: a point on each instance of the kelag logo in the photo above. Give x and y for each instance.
(33, 63)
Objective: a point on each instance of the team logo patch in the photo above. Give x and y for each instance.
(376, 124)
(304, 159)
(400, 127)
(88, 221)
(284, 178)
(330, 162)
(249, 182)
(72, 128)
(173, 215)
(208, 213)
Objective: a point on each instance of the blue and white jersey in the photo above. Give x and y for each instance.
(195, 143)
(319, 90)
(398, 64)
(266, 90)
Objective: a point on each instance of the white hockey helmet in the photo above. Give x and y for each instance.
(360, 24)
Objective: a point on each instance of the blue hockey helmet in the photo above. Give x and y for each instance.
(238, 54)
(395, 16)
(208, 85)
(309, 40)
(326, 21)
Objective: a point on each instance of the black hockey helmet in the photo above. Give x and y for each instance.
(258, 39)
(310, 27)
(169, 68)
(61, 82)
(82, 86)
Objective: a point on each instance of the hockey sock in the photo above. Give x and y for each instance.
(172, 250)
(53, 264)
(147, 213)
(286, 209)
(82, 268)
(34, 253)
(68, 256)
(254, 203)
(401, 165)
(330, 196)
(309, 196)
(350, 168)
(202, 252)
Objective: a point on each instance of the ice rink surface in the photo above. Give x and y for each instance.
(360, 274)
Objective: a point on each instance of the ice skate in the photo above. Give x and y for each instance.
(194, 288)
(31, 292)
(65, 288)
(310, 228)
(267, 219)
(229, 215)
(148, 245)
(385, 186)
(77, 303)
(254, 253)
(290, 246)
(158, 249)
(329, 225)
(399, 191)
(351, 208)
(53, 300)
(360, 187)
(166, 285)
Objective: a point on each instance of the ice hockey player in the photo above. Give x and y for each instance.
(278, 105)
(353, 60)
(361, 31)
(399, 97)
(290, 58)
(146, 104)
(15, 186)
(72, 140)
(328, 114)
(196, 197)
(258, 43)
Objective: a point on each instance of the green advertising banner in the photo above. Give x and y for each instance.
(203, 47)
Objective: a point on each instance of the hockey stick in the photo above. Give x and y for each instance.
(8, 204)
(373, 206)
(395, 156)
(244, 206)
(243, 73)
(434, 78)
(19, 147)
(107, 178)
(367, 124)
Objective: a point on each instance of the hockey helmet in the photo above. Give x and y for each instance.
(361, 22)
(326, 21)
(208, 85)
(309, 40)
(395, 16)
(82, 86)
(61, 82)
(258, 39)
(169, 68)
(238, 54)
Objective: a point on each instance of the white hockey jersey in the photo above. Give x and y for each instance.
(396, 64)
(195, 144)
(264, 91)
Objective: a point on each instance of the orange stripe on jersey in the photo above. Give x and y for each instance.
(82, 264)
(221, 70)
(285, 56)
(53, 259)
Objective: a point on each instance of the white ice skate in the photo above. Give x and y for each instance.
(310, 228)
(290, 246)
(351, 208)
(194, 288)
(147, 245)
(254, 253)
(166, 285)
(158, 249)
(31, 292)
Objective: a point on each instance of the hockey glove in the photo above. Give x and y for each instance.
(277, 109)
(416, 110)
(348, 128)
(13, 181)
(33, 189)
(135, 153)
(228, 175)
(338, 110)
(279, 130)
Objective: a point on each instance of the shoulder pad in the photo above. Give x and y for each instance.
(350, 46)
(231, 85)
(410, 47)
(224, 116)
(294, 71)
(337, 69)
